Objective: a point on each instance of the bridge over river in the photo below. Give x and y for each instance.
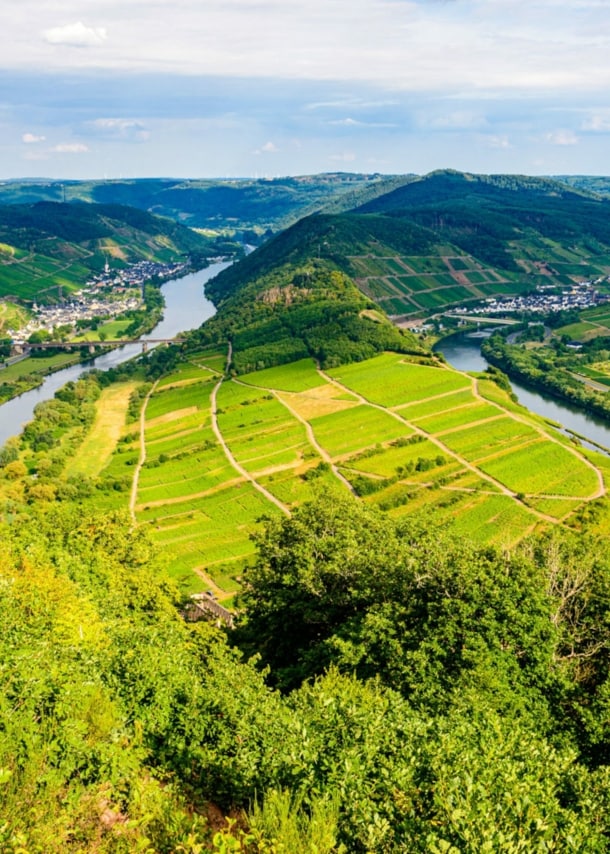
(27, 347)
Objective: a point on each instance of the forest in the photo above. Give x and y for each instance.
(389, 687)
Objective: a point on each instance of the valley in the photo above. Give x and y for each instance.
(415, 655)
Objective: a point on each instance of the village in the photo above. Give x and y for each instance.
(105, 295)
(546, 300)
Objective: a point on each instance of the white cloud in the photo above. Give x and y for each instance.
(70, 148)
(343, 157)
(76, 35)
(121, 129)
(30, 138)
(267, 148)
(497, 141)
(356, 123)
(456, 120)
(598, 122)
(562, 137)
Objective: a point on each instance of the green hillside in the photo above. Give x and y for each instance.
(448, 239)
(217, 204)
(48, 245)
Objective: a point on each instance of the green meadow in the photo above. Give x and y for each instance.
(390, 380)
(409, 438)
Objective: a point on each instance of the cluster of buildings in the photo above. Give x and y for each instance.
(545, 301)
(134, 276)
(49, 318)
(89, 303)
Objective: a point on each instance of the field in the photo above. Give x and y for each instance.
(99, 444)
(406, 437)
(390, 380)
(38, 365)
(12, 316)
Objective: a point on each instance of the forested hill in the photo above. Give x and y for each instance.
(50, 244)
(449, 238)
(218, 204)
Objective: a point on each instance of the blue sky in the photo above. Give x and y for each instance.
(198, 88)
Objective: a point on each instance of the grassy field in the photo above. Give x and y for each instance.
(543, 468)
(355, 428)
(201, 509)
(109, 424)
(390, 381)
(259, 430)
(298, 376)
(38, 365)
(12, 316)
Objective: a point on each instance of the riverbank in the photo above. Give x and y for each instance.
(186, 307)
(463, 352)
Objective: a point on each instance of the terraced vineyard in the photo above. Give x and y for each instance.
(220, 453)
(410, 284)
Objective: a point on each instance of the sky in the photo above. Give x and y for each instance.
(264, 88)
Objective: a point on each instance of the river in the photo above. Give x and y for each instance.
(463, 352)
(186, 307)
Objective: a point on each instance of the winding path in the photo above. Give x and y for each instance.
(601, 487)
(310, 434)
(238, 468)
(463, 462)
(142, 458)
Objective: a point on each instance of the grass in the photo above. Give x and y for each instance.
(38, 365)
(204, 532)
(12, 316)
(185, 373)
(109, 424)
(389, 380)
(415, 410)
(490, 519)
(543, 467)
(176, 399)
(356, 428)
(459, 417)
(297, 376)
(202, 513)
(259, 431)
(480, 441)
(385, 460)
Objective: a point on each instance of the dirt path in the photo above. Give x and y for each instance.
(463, 462)
(240, 469)
(310, 434)
(219, 593)
(142, 458)
(601, 487)
(456, 391)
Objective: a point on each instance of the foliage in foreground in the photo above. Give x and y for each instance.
(457, 699)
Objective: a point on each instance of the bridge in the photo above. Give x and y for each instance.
(77, 345)
(486, 319)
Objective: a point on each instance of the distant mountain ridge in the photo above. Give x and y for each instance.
(219, 204)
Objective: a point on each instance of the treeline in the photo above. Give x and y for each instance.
(435, 696)
(543, 369)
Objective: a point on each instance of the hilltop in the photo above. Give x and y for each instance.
(46, 246)
(446, 239)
